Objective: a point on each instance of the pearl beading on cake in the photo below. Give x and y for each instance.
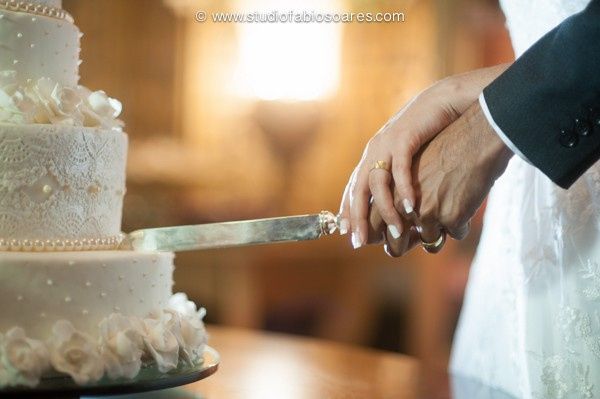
(37, 9)
(83, 244)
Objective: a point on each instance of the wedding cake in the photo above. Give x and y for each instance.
(71, 301)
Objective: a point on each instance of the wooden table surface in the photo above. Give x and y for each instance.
(256, 364)
(264, 365)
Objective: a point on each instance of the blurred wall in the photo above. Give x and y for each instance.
(199, 153)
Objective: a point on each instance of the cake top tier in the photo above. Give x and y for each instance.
(39, 69)
(39, 40)
(62, 149)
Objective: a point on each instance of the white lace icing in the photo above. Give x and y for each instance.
(48, 102)
(123, 345)
(60, 182)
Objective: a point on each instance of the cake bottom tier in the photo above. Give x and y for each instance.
(91, 315)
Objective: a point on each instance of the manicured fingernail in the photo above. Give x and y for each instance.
(356, 240)
(344, 226)
(394, 231)
(408, 206)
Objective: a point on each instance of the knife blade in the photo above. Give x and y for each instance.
(232, 234)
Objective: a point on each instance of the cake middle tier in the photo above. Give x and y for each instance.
(38, 289)
(60, 183)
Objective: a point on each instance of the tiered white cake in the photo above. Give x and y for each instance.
(71, 301)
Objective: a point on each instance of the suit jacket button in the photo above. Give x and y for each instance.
(582, 127)
(595, 118)
(568, 139)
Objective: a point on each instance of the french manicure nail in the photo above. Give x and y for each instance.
(408, 206)
(344, 226)
(356, 240)
(394, 231)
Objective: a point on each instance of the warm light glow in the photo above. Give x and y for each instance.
(287, 61)
(277, 376)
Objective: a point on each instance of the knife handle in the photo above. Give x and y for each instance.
(328, 222)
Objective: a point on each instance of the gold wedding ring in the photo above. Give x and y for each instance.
(381, 165)
(436, 246)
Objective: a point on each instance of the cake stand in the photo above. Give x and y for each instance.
(149, 379)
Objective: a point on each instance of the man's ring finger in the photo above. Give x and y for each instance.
(435, 246)
(384, 165)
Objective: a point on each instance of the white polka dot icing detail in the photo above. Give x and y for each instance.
(19, 30)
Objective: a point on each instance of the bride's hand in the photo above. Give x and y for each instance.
(396, 143)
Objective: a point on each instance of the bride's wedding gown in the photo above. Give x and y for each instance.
(530, 323)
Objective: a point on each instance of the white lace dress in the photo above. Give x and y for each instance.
(530, 324)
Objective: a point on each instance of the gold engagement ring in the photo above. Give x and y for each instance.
(381, 165)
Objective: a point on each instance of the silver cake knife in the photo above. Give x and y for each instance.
(232, 234)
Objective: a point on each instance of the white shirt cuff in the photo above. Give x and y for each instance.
(499, 132)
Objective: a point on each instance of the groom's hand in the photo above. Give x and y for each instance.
(452, 175)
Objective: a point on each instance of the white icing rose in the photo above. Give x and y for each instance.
(6, 372)
(100, 110)
(160, 341)
(121, 346)
(188, 327)
(48, 102)
(75, 353)
(180, 303)
(9, 111)
(8, 81)
(24, 359)
(191, 336)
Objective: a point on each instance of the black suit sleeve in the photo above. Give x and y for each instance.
(547, 103)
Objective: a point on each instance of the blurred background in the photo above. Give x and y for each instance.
(233, 121)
